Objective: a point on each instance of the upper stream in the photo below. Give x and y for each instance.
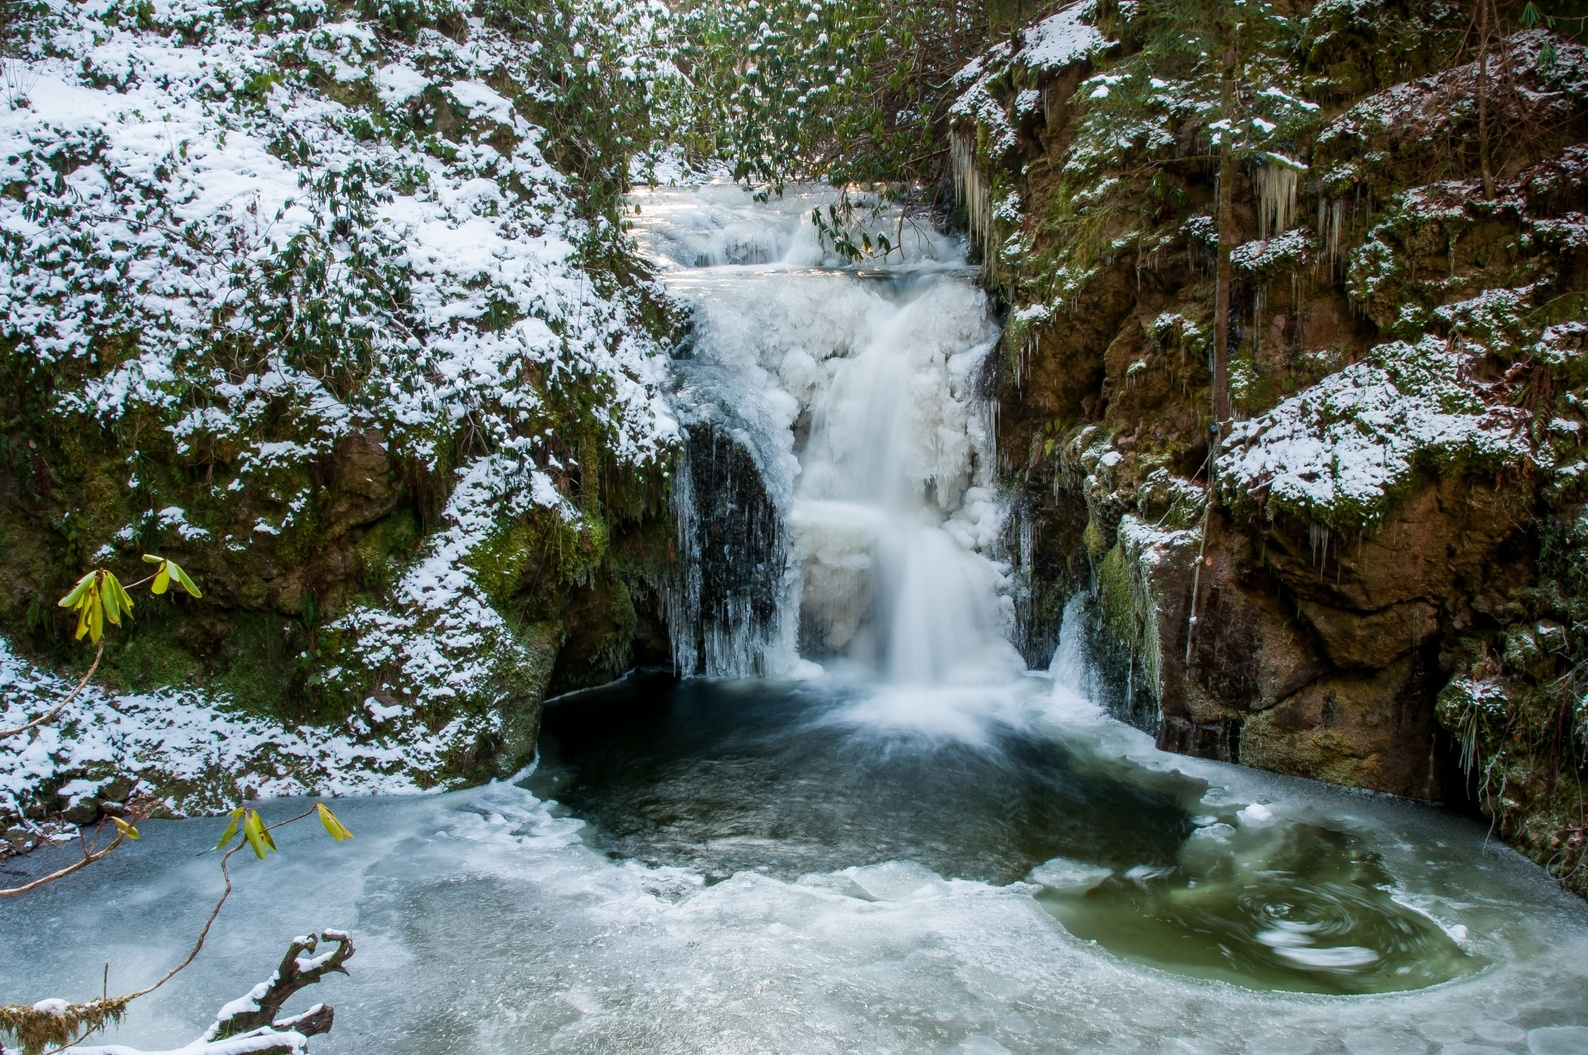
(871, 830)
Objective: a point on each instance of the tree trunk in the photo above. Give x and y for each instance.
(1484, 27)
(1227, 239)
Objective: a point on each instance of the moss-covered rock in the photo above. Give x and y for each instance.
(395, 407)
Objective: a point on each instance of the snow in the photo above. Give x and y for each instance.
(1336, 452)
(1256, 813)
(195, 743)
(444, 639)
(398, 82)
(1269, 255)
(1062, 39)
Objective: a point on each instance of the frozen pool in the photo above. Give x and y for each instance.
(749, 867)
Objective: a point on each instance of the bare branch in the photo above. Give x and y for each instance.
(89, 857)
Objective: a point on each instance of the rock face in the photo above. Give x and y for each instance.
(1351, 581)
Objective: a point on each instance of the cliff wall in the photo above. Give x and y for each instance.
(1374, 574)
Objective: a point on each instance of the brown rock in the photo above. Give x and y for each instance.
(1371, 640)
(1439, 543)
(361, 486)
(1246, 653)
(1367, 731)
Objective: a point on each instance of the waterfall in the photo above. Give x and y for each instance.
(836, 500)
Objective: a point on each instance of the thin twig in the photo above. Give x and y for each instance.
(216, 911)
(89, 857)
(98, 652)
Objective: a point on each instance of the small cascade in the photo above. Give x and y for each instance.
(1072, 668)
(895, 518)
(836, 501)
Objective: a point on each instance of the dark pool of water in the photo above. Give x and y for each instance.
(721, 778)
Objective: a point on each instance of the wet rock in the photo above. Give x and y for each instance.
(1220, 740)
(1372, 730)
(84, 811)
(118, 788)
(20, 840)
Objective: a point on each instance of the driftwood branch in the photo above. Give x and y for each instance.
(261, 1006)
(243, 1027)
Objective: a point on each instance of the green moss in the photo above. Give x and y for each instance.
(1130, 612)
(1095, 541)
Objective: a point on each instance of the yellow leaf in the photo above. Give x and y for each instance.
(183, 579)
(337, 829)
(126, 598)
(254, 832)
(162, 580)
(126, 829)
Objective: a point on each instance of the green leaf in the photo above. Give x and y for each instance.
(183, 580)
(112, 604)
(149, 558)
(162, 580)
(126, 598)
(115, 598)
(231, 829)
(96, 616)
(74, 598)
(337, 829)
(254, 832)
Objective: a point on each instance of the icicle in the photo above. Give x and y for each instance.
(730, 552)
(1276, 199)
(1318, 535)
(971, 188)
(683, 596)
(1336, 222)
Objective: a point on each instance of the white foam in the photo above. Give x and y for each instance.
(1334, 958)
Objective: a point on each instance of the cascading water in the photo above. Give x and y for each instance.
(853, 395)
